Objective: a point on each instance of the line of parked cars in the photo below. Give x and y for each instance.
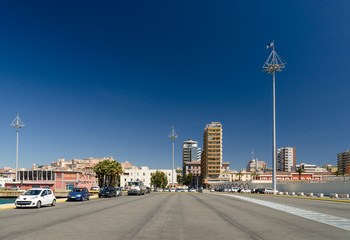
(243, 190)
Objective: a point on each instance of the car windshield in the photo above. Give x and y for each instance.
(78, 190)
(131, 184)
(32, 192)
(107, 189)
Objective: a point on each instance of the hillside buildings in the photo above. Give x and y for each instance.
(344, 162)
(286, 160)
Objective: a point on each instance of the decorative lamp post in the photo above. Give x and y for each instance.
(173, 136)
(17, 123)
(273, 63)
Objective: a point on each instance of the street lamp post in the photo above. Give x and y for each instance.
(273, 63)
(173, 136)
(17, 123)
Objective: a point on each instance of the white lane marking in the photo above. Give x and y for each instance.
(338, 222)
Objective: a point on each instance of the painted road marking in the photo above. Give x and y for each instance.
(338, 222)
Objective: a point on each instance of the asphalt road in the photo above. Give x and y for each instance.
(173, 216)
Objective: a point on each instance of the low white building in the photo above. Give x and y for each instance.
(4, 180)
(144, 174)
(310, 168)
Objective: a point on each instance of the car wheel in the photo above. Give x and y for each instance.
(53, 203)
(38, 204)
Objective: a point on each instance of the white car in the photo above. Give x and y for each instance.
(36, 197)
(234, 189)
(246, 191)
(172, 190)
(192, 190)
(270, 191)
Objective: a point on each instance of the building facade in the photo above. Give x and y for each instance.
(144, 174)
(211, 157)
(255, 165)
(195, 168)
(343, 161)
(56, 180)
(311, 168)
(286, 159)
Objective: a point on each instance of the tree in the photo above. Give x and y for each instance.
(240, 174)
(159, 179)
(108, 173)
(300, 171)
(188, 179)
(179, 179)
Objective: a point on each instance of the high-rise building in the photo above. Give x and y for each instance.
(211, 158)
(286, 160)
(189, 151)
(255, 165)
(343, 161)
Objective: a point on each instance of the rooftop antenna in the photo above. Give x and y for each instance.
(17, 123)
(273, 63)
(173, 136)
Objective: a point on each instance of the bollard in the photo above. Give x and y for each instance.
(344, 195)
(333, 195)
(320, 195)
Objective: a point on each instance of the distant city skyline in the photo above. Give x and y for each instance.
(99, 80)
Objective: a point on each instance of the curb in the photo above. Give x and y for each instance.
(311, 198)
(59, 200)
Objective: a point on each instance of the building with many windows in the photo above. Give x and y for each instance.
(344, 162)
(255, 165)
(211, 159)
(286, 160)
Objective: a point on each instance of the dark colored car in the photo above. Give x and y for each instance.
(80, 194)
(108, 192)
(148, 190)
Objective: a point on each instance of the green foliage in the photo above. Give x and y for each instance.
(188, 179)
(300, 171)
(179, 179)
(108, 173)
(159, 179)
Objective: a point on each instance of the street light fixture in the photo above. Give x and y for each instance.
(273, 63)
(17, 123)
(173, 136)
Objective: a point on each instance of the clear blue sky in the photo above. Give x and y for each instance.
(110, 78)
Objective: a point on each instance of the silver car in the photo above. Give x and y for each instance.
(119, 192)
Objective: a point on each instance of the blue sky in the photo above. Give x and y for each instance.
(109, 79)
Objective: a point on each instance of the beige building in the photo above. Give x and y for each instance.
(211, 158)
(343, 162)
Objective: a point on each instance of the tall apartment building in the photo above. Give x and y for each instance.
(189, 151)
(343, 162)
(211, 158)
(255, 165)
(286, 160)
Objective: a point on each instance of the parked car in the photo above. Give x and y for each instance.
(178, 190)
(107, 192)
(234, 189)
(148, 190)
(269, 191)
(192, 190)
(119, 191)
(245, 190)
(166, 189)
(212, 190)
(14, 188)
(172, 190)
(80, 194)
(36, 197)
(96, 188)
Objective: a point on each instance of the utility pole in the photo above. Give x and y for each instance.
(17, 123)
(173, 136)
(273, 63)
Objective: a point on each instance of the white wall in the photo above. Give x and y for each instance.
(326, 188)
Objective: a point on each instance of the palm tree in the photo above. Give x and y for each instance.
(300, 171)
(240, 174)
(108, 173)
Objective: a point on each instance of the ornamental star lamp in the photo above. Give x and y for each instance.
(273, 63)
(17, 123)
(173, 136)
